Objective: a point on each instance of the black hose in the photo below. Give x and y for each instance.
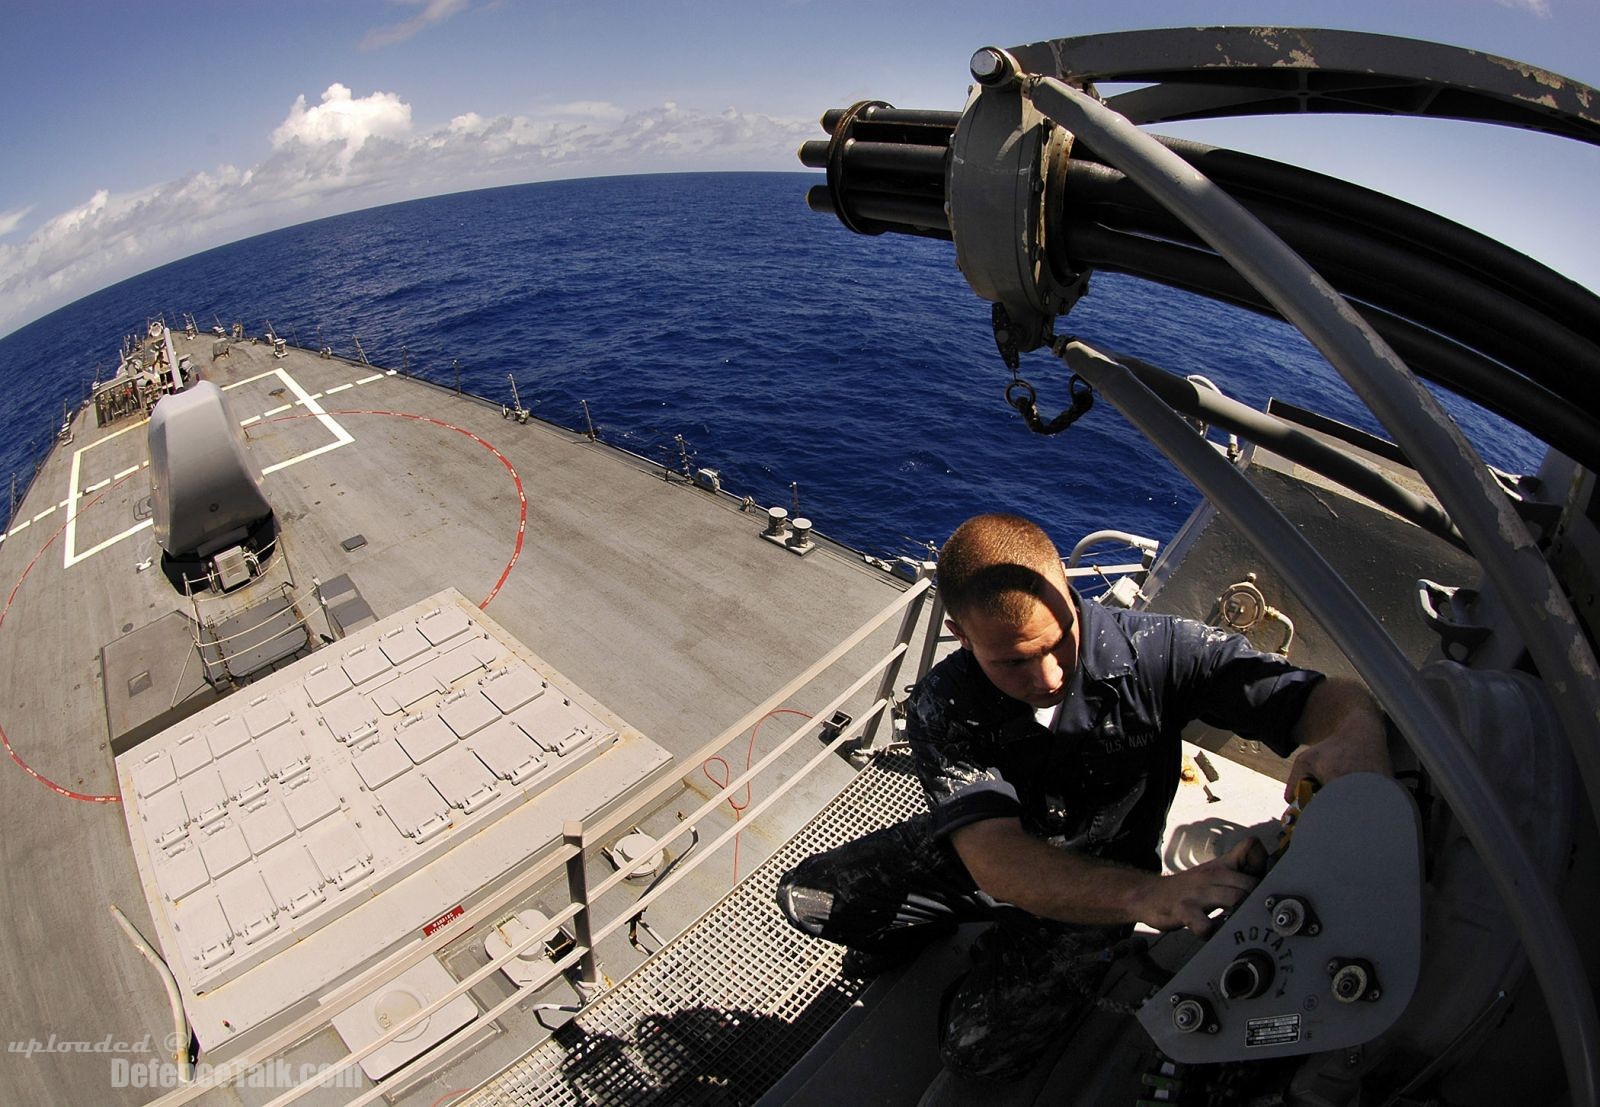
(1367, 268)
(1494, 263)
(1295, 444)
(1550, 418)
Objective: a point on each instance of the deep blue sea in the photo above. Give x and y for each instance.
(782, 348)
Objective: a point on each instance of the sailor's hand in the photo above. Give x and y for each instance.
(1188, 898)
(1355, 751)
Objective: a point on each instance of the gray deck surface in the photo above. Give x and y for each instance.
(659, 599)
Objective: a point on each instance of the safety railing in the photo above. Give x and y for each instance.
(580, 840)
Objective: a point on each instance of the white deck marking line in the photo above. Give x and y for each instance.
(340, 435)
(24, 525)
(128, 472)
(252, 419)
(112, 541)
(95, 487)
(280, 409)
(248, 380)
(47, 511)
(369, 380)
(338, 388)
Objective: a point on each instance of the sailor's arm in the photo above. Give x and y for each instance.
(1015, 867)
(1342, 731)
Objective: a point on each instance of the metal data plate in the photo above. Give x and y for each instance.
(1354, 873)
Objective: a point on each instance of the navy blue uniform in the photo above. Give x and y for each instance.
(1098, 781)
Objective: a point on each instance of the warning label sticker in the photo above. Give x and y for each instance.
(1275, 1030)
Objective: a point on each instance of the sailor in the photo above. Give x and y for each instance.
(1049, 750)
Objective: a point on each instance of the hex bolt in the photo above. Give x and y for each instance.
(988, 65)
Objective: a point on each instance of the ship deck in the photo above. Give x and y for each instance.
(658, 598)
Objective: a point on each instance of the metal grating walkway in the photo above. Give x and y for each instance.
(719, 1014)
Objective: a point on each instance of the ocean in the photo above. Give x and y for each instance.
(853, 376)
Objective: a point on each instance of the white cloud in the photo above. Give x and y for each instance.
(433, 11)
(10, 220)
(1540, 8)
(343, 121)
(350, 152)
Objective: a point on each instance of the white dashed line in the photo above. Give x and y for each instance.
(51, 510)
(369, 380)
(129, 471)
(97, 487)
(338, 388)
(252, 419)
(277, 410)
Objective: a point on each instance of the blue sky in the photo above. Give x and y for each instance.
(134, 134)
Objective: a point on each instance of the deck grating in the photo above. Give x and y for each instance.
(720, 1013)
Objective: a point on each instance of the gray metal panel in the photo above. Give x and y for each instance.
(204, 482)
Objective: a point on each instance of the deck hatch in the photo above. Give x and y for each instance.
(224, 849)
(380, 763)
(442, 624)
(465, 782)
(365, 662)
(310, 801)
(266, 826)
(226, 735)
(402, 644)
(182, 873)
(415, 807)
(468, 712)
(423, 736)
(508, 752)
(325, 682)
(511, 688)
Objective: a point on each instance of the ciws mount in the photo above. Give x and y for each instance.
(1040, 181)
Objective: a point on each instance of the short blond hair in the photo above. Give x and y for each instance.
(998, 565)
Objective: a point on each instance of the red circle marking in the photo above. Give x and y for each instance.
(516, 552)
(12, 595)
(522, 498)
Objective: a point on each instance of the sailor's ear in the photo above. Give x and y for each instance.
(954, 628)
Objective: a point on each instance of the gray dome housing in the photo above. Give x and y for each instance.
(206, 489)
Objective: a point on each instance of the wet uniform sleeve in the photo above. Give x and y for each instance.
(1220, 680)
(960, 787)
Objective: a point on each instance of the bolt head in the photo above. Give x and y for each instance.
(988, 65)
